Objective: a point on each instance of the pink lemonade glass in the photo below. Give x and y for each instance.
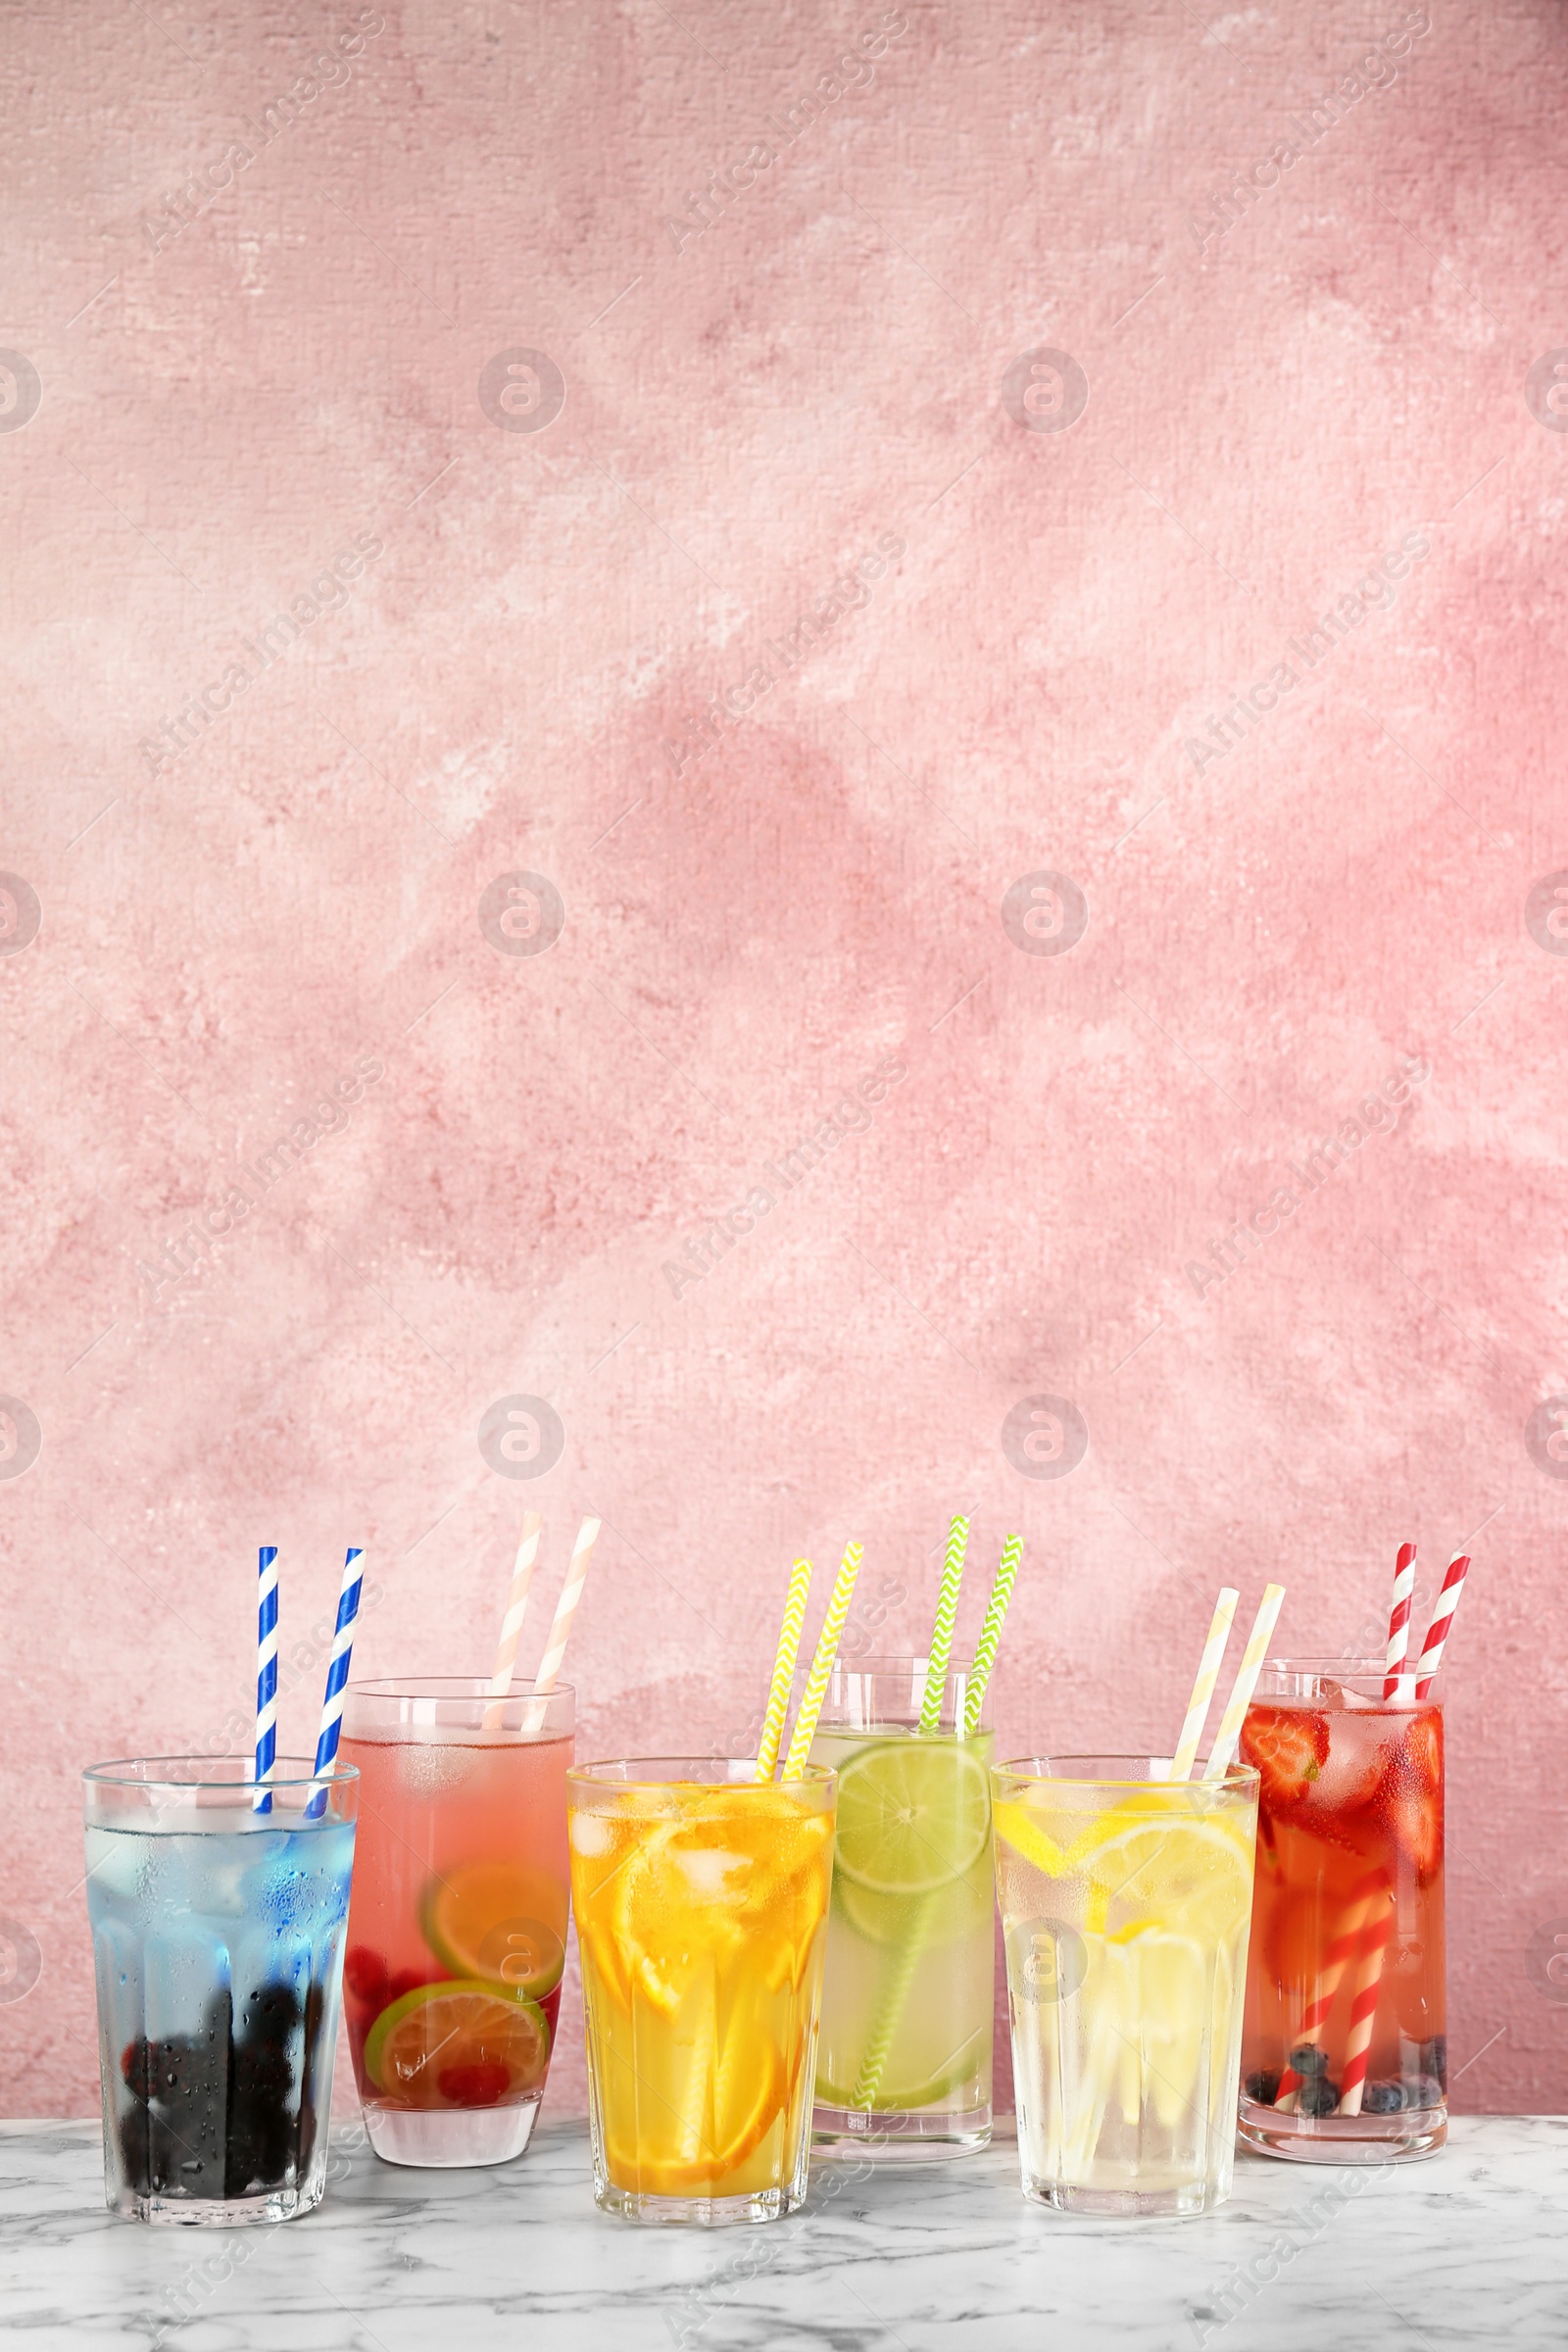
(457, 1935)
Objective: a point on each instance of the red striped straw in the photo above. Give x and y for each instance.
(1336, 1960)
(1363, 2005)
(1443, 1614)
(1399, 1619)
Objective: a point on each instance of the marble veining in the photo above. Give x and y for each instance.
(1469, 2248)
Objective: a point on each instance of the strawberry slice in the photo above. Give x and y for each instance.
(1420, 1762)
(1290, 1747)
(1415, 1817)
(1411, 1796)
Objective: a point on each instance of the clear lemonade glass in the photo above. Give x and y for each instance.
(1125, 1904)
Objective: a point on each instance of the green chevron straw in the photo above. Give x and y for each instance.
(936, 1671)
(984, 1649)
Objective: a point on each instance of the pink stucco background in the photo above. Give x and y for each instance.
(792, 639)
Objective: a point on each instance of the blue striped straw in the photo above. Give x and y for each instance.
(265, 1676)
(337, 1674)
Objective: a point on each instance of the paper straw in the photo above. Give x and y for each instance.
(1443, 1616)
(827, 1642)
(512, 1625)
(984, 1649)
(778, 1689)
(1363, 2005)
(337, 1674)
(1337, 1959)
(1227, 1738)
(266, 1675)
(936, 1671)
(890, 2007)
(1398, 1619)
(1208, 1666)
(566, 1609)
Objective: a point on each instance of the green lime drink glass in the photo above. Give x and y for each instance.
(904, 2050)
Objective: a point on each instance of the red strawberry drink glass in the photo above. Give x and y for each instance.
(1344, 2046)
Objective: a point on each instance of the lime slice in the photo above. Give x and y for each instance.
(923, 2090)
(458, 2046)
(913, 1815)
(499, 1923)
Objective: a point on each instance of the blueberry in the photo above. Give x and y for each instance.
(1307, 2058)
(1382, 2098)
(1422, 2090)
(1264, 2086)
(1435, 2058)
(1317, 2096)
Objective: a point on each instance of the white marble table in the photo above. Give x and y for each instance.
(1470, 2248)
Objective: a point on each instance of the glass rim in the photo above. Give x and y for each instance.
(131, 1771)
(899, 1662)
(450, 1686)
(1026, 1768)
(1321, 1662)
(602, 1772)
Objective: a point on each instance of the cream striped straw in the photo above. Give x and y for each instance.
(1222, 1755)
(936, 1671)
(827, 1642)
(778, 1691)
(1208, 1666)
(566, 1608)
(511, 1624)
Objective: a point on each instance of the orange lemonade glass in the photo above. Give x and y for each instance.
(701, 1899)
(457, 1935)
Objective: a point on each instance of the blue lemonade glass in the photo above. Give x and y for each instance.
(217, 1948)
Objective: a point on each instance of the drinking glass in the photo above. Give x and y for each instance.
(1125, 1900)
(702, 1901)
(903, 2057)
(218, 1948)
(1345, 2052)
(457, 1938)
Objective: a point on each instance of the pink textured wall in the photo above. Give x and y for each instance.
(789, 619)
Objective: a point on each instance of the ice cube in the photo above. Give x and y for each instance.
(430, 1769)
(706, 1875)
(590, 1834)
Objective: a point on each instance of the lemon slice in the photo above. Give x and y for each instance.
(912, 1815)
(1018, 1826)
(1192, 1876)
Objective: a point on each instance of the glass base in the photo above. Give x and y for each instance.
(1404, 2138)
(900, 2135)
(220, 2213)
(700, 2213)
(1129, 2204)
(437, 2137)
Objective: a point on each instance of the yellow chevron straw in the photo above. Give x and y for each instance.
(778, 1691)
(827, 1642)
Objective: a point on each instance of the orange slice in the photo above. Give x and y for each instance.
(499, 1923)
(458, 2046)
(706, 2175)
